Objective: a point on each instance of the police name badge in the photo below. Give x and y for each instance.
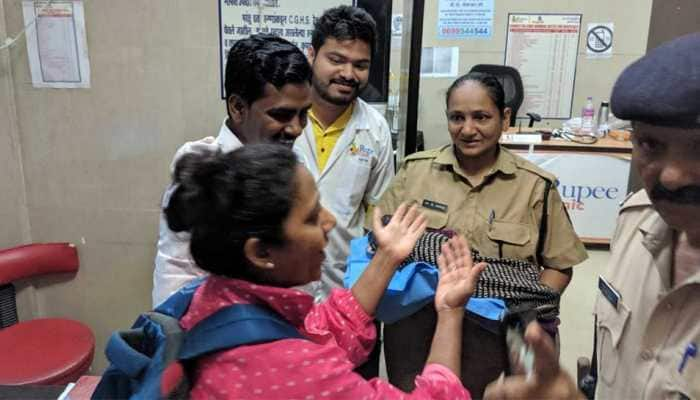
(434, 205)
(609, 292)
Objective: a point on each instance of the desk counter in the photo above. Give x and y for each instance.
(603, 145)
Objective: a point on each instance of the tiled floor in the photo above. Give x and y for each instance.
(576, 328)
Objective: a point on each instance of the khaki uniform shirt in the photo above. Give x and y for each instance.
(504, 211)
(641, 342)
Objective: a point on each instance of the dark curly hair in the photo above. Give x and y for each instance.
(223, 199)
(262, 58)
(345, 23)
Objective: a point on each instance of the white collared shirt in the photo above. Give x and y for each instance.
(356, 174)
(646, 333)
(174, 266)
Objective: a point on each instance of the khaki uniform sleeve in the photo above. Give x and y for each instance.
(562, 248)
(392, 197)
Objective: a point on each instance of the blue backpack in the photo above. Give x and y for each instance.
(150, 360)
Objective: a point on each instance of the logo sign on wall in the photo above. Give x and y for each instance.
(591, 188)
(599, 40)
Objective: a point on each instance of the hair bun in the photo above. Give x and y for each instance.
(194, 177)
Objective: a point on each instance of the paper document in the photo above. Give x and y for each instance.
(544, 49)
(289, 19)
(57, 44)
(527, 138)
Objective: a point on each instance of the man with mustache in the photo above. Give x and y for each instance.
(268, 95)
(648, 304)
(648, 307)
(347, 146)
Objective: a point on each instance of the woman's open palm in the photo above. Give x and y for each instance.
(458, 274)
(399, 236)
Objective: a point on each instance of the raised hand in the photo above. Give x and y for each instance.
(397, 238)
(547, 381)
(458, 275)
(395, 242)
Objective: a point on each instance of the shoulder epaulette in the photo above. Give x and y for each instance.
(422, 155)
(531, 167)
(635, 199)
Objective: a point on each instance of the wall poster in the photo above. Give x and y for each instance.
(57, 44)
(286, 18)
(544, 48)
(465, 19)
(599, 40)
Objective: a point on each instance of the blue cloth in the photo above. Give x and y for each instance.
(411, 287)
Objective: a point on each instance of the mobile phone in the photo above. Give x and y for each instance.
(520, 355)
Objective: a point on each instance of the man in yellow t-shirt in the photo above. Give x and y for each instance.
(347, 145)
(327, 137)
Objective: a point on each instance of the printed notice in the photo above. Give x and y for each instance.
(599, 40)
(465, 19)
(285, 18)
(544, 49)
(57, 44)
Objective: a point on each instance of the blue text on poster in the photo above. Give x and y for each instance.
(460, 19)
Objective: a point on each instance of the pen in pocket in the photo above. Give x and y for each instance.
(690, 352)
(492, 216)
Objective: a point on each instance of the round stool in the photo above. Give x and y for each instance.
(50, 351)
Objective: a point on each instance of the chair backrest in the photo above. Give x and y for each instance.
(37, 259)
(512, 85)
(26, 262)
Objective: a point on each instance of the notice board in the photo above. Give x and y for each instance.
(544, 49)
(294, 20)
(290, 19)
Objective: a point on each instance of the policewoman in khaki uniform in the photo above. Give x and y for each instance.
(504, 205)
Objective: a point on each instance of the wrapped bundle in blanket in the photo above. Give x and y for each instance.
(505, 284)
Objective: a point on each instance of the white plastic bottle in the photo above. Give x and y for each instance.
(587, 114)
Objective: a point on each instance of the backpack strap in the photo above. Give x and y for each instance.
(236, 325)
(127, 350)
(123, 355)
(177, 303)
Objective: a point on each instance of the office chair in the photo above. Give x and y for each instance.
(512, 86)
(43, 351)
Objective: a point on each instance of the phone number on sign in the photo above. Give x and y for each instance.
(465, 31)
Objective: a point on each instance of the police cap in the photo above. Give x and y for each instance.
(663, 87)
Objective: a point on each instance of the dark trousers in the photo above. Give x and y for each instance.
(370, 368)
(407, 344)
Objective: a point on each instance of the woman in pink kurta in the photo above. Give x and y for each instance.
(258, 227)
(340, 336)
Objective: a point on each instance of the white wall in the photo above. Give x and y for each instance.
(96, 160)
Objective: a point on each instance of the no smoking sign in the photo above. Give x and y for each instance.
(599, 40)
